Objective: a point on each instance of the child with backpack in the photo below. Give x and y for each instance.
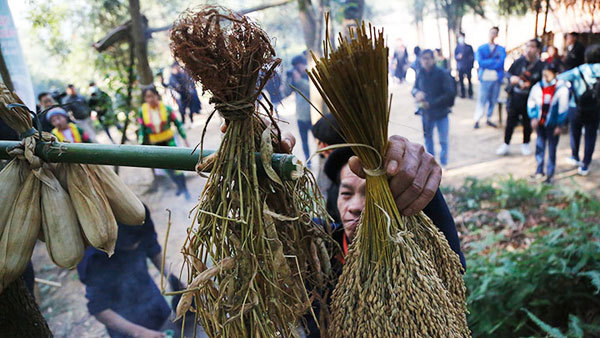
(585, 104)
(547, 106)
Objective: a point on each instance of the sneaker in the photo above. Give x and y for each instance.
(538, 176)
(572, 161)
(476, 126)
(581, 171)
(491, 124)
(549, 180)
(503, 149)
(525, 149)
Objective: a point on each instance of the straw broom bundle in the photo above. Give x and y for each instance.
(244, 224)
(401, 277)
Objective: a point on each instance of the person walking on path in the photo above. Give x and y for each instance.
(187, 96)
(80, 109)
(102, 104)
(434, 92)
(525, 72)
(547, 106)
(400, 61)
(490, 58)
(464, 56)
(575, 55)
(585, 103)
(155, 119)
(300, 82)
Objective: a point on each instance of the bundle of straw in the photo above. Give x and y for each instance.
(401, 277)
(244, 225)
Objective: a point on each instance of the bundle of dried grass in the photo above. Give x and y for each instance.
(401, 277)
(256, 288)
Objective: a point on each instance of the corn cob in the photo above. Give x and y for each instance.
(59, 223)
(125, 205)
(95, 216)
(20, 234)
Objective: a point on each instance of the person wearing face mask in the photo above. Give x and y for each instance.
(464, 56)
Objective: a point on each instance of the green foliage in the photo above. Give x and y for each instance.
(548, 288)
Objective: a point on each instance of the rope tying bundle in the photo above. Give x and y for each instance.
(235, 111)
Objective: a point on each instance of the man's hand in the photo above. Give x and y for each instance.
(146, 333)
(420, 96)
(514, 80)
(534, 123)
(414, 174)
(557, 131)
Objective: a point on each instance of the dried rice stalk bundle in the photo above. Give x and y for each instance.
(95, 216)
(125, 205)
(241, 220)
(60, 228)
(21, 232)
(11, 179)
(18, 118)
(401, 277)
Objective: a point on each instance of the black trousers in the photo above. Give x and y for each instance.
(462, 74)
(517, 113)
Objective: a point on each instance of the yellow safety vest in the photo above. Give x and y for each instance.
(74, 130)
(157, 136)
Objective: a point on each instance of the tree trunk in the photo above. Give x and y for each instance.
(140, 43)
(546, 17)
(537, 15)
(20, 316)
(437, 19)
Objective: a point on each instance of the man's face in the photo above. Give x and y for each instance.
(570, 39)
(46, 101)
(493, 34)
(531, 50)
(58, 121)
(301, 67)
(351, 200)
(71, 91)
(427, 61)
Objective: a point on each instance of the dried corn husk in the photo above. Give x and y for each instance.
(21, 231)
(59, 223)
(11, 179)
(95, 216)
(125, 205)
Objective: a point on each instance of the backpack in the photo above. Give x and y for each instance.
(588, 103)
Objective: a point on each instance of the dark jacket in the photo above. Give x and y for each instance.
(77, 104)
(576, 56)
(465, 63)
(529, 74)
(439, 89)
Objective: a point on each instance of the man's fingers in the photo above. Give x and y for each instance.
(356, 167)
(427, 194)
(288, 141)
(407, 172)
(412, 192)
(395, 153)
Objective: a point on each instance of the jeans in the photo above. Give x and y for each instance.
(516, 113)
(303, 128)
(442, 128)
(591, 132)
(488, 95)
(462, 74)
(545, 135)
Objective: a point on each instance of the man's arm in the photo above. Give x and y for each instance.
(115, 322)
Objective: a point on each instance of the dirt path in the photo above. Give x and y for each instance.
(471, 153)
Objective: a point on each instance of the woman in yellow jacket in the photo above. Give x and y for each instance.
(156, 119)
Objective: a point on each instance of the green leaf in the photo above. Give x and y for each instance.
(594, 276)
(575, 329)
(552, 331)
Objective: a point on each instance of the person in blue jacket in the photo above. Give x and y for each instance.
(490, 58)
(547, 106)
(121, 293)
(586, 114)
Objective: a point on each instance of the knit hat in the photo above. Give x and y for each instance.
(56, 111)
(327, 129)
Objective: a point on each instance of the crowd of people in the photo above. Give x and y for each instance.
(547, 95)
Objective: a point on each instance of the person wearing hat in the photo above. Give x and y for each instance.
(299, 79)
(548, 106)
(64, 130)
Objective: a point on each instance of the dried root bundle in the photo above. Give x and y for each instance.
(401, 277)
(257, 288)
